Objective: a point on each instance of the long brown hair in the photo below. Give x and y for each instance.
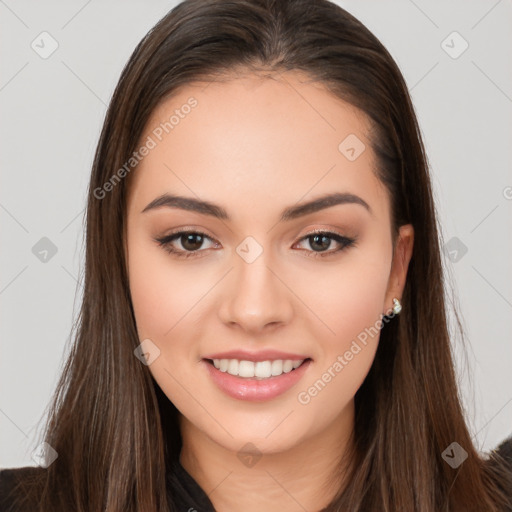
(114, 431)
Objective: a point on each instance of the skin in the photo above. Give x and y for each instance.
(256, 145)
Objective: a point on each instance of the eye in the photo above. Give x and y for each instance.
(191, 242)
(321, 240)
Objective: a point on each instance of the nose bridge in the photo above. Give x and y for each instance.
(257, 296)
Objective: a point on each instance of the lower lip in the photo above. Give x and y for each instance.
(243, 388)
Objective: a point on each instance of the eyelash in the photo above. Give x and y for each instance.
(165, 242)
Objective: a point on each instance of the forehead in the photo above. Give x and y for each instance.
(250, 139)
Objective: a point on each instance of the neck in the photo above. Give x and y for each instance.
(304, 477)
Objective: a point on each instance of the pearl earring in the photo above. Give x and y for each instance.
(397, 307)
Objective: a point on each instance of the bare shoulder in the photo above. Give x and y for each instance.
(13, 485)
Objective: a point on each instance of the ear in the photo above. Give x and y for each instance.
(401, 257)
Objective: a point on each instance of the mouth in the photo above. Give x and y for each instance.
(260, 370)
(256, 381)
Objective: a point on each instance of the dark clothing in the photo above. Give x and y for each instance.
(187, 493)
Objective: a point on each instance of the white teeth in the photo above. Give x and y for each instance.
(246, 368)
(232, 367)
(288, 366)
(260, 369)
(277, 367)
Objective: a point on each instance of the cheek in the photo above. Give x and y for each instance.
(361, 296)
(150, 297)
(166, 302)
(347, 299)
(161, 292)
(350, 305)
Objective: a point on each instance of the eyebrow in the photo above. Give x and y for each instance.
(290, 213)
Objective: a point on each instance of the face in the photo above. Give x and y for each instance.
(257, 274)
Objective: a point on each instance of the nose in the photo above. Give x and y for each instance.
(256, 298)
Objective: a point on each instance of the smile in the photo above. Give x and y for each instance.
(260, 369)
(255, 381)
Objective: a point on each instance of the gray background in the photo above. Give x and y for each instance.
(51, 114)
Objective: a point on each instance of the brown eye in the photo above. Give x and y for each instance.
(320, 241)
(190, 241)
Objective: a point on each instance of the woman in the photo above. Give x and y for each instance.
(263, 322)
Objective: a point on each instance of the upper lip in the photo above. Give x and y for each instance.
(262, 355)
